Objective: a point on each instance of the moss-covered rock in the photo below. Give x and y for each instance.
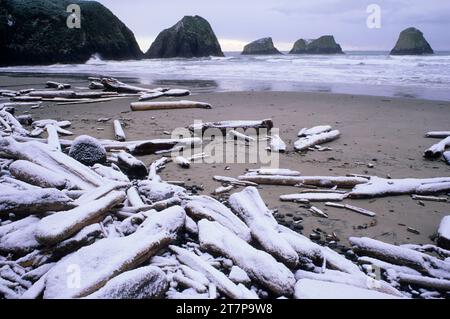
(262, 46)
(411, 42)
(36, 32)
(191, 37)
(323, 45)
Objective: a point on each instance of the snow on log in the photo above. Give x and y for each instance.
(199, 207)
(37, 175)
(364, 282)
(233, 181)
(313, 197)
(422, 281)
(177, 92)
(276, 171)
(437, 149)
(317, 289)
(79, 175)
(225, 285)
(150, 96)
(134, 198)
(155, 167)
(131, 166)
(259, 265)
(378, 187)
(57, 85)
(53, 139)
(438, 134)
(355, 209)
(14, 124)
(169, 105)
(109, 257)
(118, 131)
(421, 262)
(446, 156)
(311, 140)
(34, 201)
(110, 173)
(112, 84)
(142, 283)
(57, 227)
(153, 146)
(53, 94)
(307, 250)
(228, 125)
(277, 144)
(314, 130)
(250, 207)
(321, 181)
(19, 237)
(443, 238)
(84, 237)
(240, 136)
(182, 162)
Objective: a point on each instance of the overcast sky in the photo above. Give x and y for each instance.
(237, 22)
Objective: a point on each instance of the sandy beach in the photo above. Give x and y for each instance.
(387, 132)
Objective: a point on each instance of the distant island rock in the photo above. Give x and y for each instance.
(262, 46)
(323, 45)
(191, 37)
(36, 32)
(411, 42)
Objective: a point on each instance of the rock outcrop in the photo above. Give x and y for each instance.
(262, 46)
(191, 37)
(323, 45)
(36, 32)
(411, 42)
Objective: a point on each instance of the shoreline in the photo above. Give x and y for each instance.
(387, 132)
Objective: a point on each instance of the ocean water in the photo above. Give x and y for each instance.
(368, 73)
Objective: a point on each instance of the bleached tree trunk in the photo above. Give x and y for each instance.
(311, 140)
(118, 131)
(149, 106)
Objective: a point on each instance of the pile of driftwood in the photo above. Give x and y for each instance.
(116, 229)
(101, 90)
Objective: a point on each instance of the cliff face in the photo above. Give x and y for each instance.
(323, 45)
(36, 32)
(411, 42)
(191, 37)
(262, 46)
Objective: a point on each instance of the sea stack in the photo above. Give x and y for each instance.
(411, 42)
(323, 45)
(191, 37)
(36, 32)
(262, 46)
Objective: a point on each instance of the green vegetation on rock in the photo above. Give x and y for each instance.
(262, 46)
(323, 45)
(411, 42)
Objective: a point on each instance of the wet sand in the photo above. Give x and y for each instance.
(388, 132)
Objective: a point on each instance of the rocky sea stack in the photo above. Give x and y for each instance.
(323, 45)
(36, 32)
(262, 46)
(412, 42)
(191, 37)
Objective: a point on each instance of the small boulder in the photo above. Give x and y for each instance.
(262, 46)
(87, 150)
(323, 45)
(411, 42)
(191, 37)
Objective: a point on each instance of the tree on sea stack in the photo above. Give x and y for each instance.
(412, 42)
(191, 37)
(36, 32)
(323, 45)
(262, 46)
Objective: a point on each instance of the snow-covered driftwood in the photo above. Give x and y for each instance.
(240, 136)
(37, 175)
(142, 283)
(249, 205)
(224, 126)
(34, 201)
(314, 130)
(57, 227)
(225, 285)
(311, 140)
(118, 131)
(443, 238)
(321, 181)
(355, 209)
(437, 149)
(131, 166)
(199, 207)
(259, 265)
(438, 134)
(170, 105)
(107, 258)
(421, 262)
(378, 187)
(277, 144)
(313, 197)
